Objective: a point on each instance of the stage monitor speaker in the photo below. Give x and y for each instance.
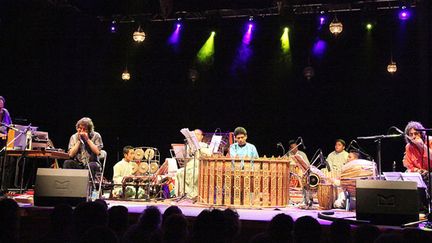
(387, 202)
(56, 186)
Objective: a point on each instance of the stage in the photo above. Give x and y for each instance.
(35, 220)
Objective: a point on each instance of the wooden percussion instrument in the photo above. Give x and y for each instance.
(359, 169)
(261, 182)
(327, 194)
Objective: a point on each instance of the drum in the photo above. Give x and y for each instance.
(359, 169)
(314, 178)
(327, 194)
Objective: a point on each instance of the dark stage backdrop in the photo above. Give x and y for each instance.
(59, 64)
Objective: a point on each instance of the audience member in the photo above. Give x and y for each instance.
(99, 234)
(307, 229)
(9, 221)
(147, 229)
(118, 220)
(88, 215)
(340, 232)
(175, 229)
(366, 233)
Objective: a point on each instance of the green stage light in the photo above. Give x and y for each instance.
(207, 50)
(369, 26)
(285, 45)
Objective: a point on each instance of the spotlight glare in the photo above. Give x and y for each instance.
(251, 18)
(404, 13)
(369, 26)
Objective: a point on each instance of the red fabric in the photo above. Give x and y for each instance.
(416, 158)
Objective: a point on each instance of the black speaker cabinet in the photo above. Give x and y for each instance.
(387, 202)
(55, 186)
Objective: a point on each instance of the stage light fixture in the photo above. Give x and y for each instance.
(113, 26)
(335, 26)
(125, 75)
(404, 13)
(369, 26)
(139, 35)
(251, 18)
(322, 18)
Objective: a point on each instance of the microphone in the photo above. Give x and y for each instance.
(80, 139)
(398, 130)
(349, 145)
(302, 142)
(279, 144)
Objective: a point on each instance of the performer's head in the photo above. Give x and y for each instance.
(128, 153)
(199, 134)
(293, 146)
(2, 101)
(85, 124)
(240, 135)
(353, 155)
(339, 145)
(412, 133)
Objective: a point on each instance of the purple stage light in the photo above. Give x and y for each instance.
(113, 27)
(322, 20)
(404, 13)
(319, 48)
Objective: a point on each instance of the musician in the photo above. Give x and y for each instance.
(336, 159)
(416, 157)
(353, 155)
(4, 116)
(84, 147)
(299, 161)
(241, 148)
(122, 169)
(192, 167)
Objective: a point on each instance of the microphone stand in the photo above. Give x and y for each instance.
(378, 139)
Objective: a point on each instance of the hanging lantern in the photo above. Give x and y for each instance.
(392, 67)
(308, 72)
(335, 26)
(139, 35)
(125, 75)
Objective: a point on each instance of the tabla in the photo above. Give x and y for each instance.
(327, 194)
(359, 169)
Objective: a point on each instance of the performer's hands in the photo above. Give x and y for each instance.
(83, 136)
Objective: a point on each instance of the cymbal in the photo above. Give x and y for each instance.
(139, 154)
(149, 154)
(134, 167)
(143, 167)
(154, 166)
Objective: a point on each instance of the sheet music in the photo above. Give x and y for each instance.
(191, 139)
(407, 176)
(215, 143)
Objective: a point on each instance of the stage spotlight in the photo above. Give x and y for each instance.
(175, 36)
(322, 18)
(251, 18)
(369, 26)
(206, 52)
(319, 48)
(285, 44)
(113, 26)
(404, 13)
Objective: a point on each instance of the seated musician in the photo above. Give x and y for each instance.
(340, 202)
(299, 161)
(241, 148)
(84, 147)
(416, 157)
(192, 168)
(5, 119)
(336, 160)
(123, 169)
